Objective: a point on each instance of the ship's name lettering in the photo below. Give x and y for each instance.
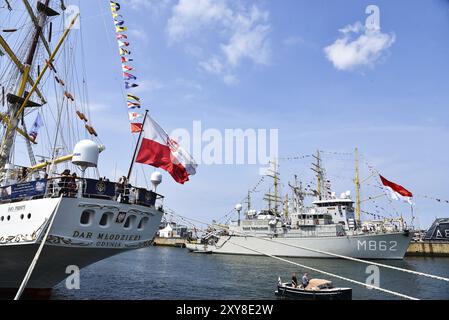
(374, 245)
(106, 236)
(16, 208)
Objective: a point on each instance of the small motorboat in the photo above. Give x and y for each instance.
(198, 248)
(318, 289)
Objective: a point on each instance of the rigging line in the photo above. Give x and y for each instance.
(343, 257)
(329, 274)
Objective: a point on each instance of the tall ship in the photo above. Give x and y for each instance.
(328, 227)
(56, 211)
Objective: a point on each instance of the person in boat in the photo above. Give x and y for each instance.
(294, 280)
(305, 280)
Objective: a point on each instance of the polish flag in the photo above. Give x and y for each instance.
(397, 192)
(158, 150)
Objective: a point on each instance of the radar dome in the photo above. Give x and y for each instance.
(85, 154)
(156, 178)
(238, 207)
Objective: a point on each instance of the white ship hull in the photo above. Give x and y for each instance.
(372, 246)
(71, 242)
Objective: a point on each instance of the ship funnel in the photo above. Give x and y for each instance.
(156, 179)
(85, 154)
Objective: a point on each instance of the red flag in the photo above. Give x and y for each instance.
(136, 127)
(397, 191)
(158, 150)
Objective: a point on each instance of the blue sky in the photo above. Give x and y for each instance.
(263, 64)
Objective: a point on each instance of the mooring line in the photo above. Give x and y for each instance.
(368, 286)
(355, 259)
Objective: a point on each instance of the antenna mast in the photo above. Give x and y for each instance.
(357, 185)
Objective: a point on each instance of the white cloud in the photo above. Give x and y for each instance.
(242, 33)
(358, 47)
(249, 39)
(190, 16)
(213, 65)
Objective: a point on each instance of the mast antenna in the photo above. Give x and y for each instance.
(357, 185)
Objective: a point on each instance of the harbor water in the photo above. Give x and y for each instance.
(162, 273)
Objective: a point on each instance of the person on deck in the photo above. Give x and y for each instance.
(121, 190)
(64, 183)
(72, 185)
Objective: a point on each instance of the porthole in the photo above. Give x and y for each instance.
(29, 216)
(2, 219)
(9, 218)
(22, 216)
(86, 217)
(129, 222)
(143, 222)
(105, 219)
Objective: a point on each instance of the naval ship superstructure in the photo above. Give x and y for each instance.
(328, 228)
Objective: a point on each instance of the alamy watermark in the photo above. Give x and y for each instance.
(373, 280)
(72, 282)
(229, 146)
(372, 23)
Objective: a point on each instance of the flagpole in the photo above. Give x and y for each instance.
(137, 147)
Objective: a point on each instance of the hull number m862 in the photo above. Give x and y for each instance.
(373, 245)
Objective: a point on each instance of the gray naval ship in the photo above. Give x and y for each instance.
(329, 227)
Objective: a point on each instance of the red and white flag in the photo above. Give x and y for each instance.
(158, 150)
(397, 192)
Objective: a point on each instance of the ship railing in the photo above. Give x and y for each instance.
(72, 187)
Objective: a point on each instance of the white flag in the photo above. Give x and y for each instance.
(134, 115)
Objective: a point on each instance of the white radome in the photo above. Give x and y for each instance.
(86, 153)
(156, 178)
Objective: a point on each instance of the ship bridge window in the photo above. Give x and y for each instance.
(143, 222)
(106, 218)
(86, 217)
(129, 222)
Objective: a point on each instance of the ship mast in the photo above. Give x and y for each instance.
(319, 174)
(274, 197)
(14, 112)
(357, 185)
